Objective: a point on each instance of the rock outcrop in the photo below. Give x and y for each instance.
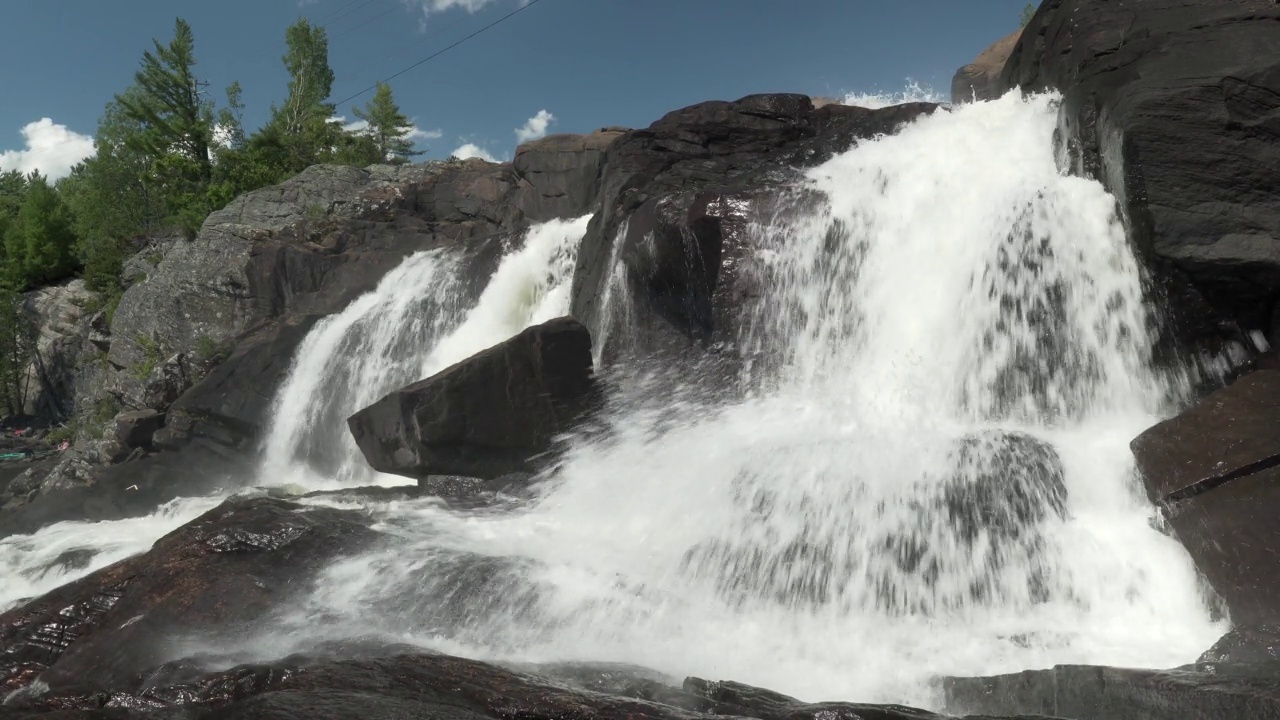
(1175, 106)
(980, 79)
(1216, 470)
(490, 415)
(669, 204)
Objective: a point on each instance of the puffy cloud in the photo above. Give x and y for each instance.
(535, 127)
(51, 148)
(471, 150)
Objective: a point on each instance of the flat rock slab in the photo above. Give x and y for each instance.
(440, 686)
(1084, 692)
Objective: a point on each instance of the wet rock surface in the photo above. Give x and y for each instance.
(428, 685)
(1101, 693)
(1175, 106)
(220, 574)
(1215, 469)
(489, 415)
(678, 180)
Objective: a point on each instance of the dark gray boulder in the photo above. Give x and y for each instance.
(1175, 106)
(491, 414)
(687, 182)
(136, 428)
(1216, 470)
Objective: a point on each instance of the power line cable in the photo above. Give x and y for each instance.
(401, 50)
(335, 12)
(350, 12)
(438, 53)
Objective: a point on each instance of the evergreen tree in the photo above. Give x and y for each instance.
(13, 186)
(178, 122)
(113, 197)
(40, 247)
(387, 126)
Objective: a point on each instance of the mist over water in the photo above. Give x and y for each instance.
(929, 473)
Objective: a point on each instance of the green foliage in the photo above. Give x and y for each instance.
(101, 413)
(151, 356)
(1028, 12)
(166, 156)
(209, 350)
(387, 126)
(39, 243)
(177, 121)
(17, 351)
(64, 432)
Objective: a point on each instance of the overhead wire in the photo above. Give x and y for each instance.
(444, 50)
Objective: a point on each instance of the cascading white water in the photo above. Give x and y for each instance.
(417, 322)
(935, 481)
(31, 565)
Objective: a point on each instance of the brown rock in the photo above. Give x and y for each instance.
(980, 79)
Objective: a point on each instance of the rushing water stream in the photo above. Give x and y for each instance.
(934, 478)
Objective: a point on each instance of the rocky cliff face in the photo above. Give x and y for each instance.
(1173, 106)
(207, 328)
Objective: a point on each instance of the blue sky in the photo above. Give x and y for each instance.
(558, 66)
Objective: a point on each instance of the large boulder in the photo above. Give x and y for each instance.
(670, 202)
(1216, 470)
(1175, 106)
(489, 415)
(980, 79)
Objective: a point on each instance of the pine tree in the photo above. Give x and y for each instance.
(40, 247)
(178, 121)
(387, 126)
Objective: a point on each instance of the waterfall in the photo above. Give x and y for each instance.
(936, 479)
(417, 322)
(932, 479)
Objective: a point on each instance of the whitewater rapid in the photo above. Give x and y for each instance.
(956, 310)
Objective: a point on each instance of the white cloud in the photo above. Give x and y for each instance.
(471, 150)
(51, 148)
(418, 133)
(431, 7)
(535, 127)
(415, 132)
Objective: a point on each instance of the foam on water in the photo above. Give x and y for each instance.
(31, 565)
